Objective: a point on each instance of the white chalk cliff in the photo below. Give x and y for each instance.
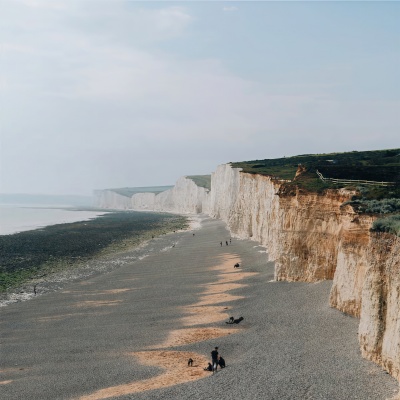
(310, 237)
(111, 200)
(185, 198)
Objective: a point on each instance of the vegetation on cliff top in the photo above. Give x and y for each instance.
(28, 255)
(390, 224)
(201, 180)
(378, 166)
(130, 191)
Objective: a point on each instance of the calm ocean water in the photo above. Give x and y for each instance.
(14, 218)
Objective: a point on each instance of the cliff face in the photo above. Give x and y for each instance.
(311, 227)
(111, 200)
(249, 205)
(351, 266)
(310, 237)
(184, 197)
(300, 232)
(313, 237)
(379, 331)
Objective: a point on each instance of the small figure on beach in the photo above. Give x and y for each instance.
(214, 357)
(190, 362)
(230, 240)
(208, 368)
(237, 265)
(226, 242)
(193, 234)
(232, 320)
(220, 243)
(221, 362)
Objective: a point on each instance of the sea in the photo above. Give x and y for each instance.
(16, 218)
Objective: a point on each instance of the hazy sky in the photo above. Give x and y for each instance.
(100, 94)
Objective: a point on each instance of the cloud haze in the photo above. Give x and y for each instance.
(119, 93)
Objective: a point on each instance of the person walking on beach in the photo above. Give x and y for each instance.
(226, 242)
(214, 357)
(220, 243)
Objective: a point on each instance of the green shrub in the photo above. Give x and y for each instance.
(384, 206)
(389, 224)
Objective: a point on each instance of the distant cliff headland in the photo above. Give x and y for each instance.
(327, 216)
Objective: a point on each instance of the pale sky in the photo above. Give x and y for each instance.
(106, 94)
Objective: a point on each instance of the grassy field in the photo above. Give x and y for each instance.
(27, 255)
(380, 165)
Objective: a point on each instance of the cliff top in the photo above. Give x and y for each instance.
(130, 191)
(201, 180)
(318, 172)
(378, 166)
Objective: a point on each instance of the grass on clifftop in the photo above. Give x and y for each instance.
(379, 165)
(130, 191)
(201, 180)
(31, 254)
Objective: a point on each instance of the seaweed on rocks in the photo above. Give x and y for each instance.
(33, 254)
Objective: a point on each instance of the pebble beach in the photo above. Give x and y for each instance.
(128, 331)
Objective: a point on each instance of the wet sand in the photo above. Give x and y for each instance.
(128, 333)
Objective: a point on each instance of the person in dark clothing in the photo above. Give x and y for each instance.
(190, 362)
(226, 242)
(214, 356)
(221, 362)
(208, 368)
